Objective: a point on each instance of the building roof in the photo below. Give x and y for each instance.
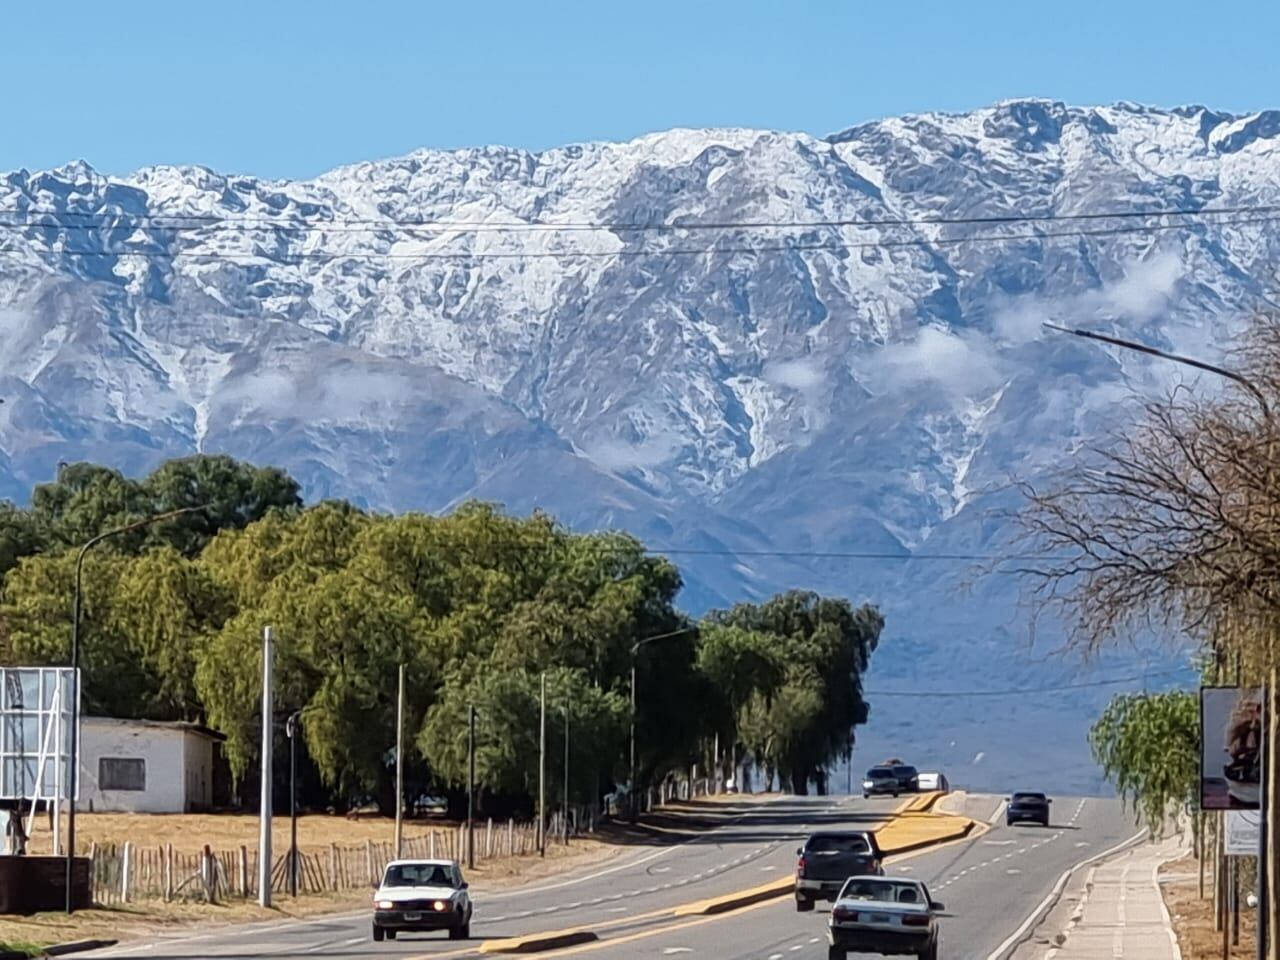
(183, 725)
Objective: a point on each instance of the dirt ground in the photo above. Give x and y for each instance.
(154, 917)
(1193, 917)
(188, 832)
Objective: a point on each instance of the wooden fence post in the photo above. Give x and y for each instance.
(242, 872)
(333, 866)
(126, 871)
(488, 839)
(168, 872)
(93, 872)
(431, 846)
(368, 862)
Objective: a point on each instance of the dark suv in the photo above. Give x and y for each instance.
(908, 777)
(1028, 808)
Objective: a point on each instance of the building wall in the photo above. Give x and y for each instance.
(198, 768)
(178, 768)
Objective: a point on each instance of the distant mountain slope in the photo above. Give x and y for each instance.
(863, 383)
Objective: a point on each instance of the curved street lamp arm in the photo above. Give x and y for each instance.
(1226, 372)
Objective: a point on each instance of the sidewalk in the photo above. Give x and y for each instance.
(1122, 912)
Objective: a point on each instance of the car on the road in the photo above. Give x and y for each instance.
(934, 781)
(894, 916)
(1027, 807)
(908, 777)
(831, 857)
(880, 782)
(422, 895)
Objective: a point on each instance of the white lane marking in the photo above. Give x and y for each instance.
(1034, 917)
(999, 843)
(798, 946)
(815, 939)
(671, 951)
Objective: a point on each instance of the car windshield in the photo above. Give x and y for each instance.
(881, 891)
(854, 843)
(879, 773)
(1028, 798)
(905, 771)
(418, 875)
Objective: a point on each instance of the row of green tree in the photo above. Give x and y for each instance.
(478, 606)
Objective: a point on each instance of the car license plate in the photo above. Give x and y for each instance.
(879, 918)
(413, 916)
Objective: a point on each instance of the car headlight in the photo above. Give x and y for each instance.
(868, 784)
(440, 906)
(385, 904)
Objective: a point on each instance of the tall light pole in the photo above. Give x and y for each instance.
(291, 731)
(268, 732)
(566, 774)
(633, 799)
(73, 754)
(471, 787)
(399, 833)
(1269, 853)
(542, 768)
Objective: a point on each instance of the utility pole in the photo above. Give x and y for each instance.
(471, 788)
(399, 763)
(264, 813)
(542, 769)
(631, 788)
(566, 774)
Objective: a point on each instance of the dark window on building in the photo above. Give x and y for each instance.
(119, 774)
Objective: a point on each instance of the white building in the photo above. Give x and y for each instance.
(145, 766)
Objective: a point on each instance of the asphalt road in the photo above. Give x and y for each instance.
(989, 885)
(729, 847)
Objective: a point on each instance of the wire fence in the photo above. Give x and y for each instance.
(123, 873)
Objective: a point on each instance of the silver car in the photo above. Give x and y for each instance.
(893, 916)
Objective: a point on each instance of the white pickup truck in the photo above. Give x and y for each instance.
(886, 915)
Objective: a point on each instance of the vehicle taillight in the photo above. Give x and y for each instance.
(915, 920)
(800, 866)
(844, 914)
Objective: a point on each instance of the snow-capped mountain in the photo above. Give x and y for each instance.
(580, 330)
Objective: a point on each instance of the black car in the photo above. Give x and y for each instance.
(1028, 808)
(908, 777)
(828, 859)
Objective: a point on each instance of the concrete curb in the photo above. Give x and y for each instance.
(733, 901)
(535, 942)
(60, 949)
(960, 828)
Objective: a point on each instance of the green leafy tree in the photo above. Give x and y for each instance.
(1148, 746)
(800, 716)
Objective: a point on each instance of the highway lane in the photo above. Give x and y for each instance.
(726, 848)
(989, 885)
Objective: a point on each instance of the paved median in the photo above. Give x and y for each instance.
(914, 826)
(536, 942)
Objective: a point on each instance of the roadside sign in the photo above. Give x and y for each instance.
(1244, 833)
(1230, 748)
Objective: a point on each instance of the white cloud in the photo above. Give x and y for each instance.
(619, 455)
(1145, 288)
(804, 374)
(960, 362)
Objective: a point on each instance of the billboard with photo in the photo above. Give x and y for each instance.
(1230, 747)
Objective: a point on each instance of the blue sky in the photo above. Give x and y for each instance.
(288, 89)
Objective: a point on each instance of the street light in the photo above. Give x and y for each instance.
(291, 731)
(1267, 796)
(632, 804)
(73, 759)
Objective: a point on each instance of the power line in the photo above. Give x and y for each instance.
(1059, 688)
(183, 222)
(300, 258)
